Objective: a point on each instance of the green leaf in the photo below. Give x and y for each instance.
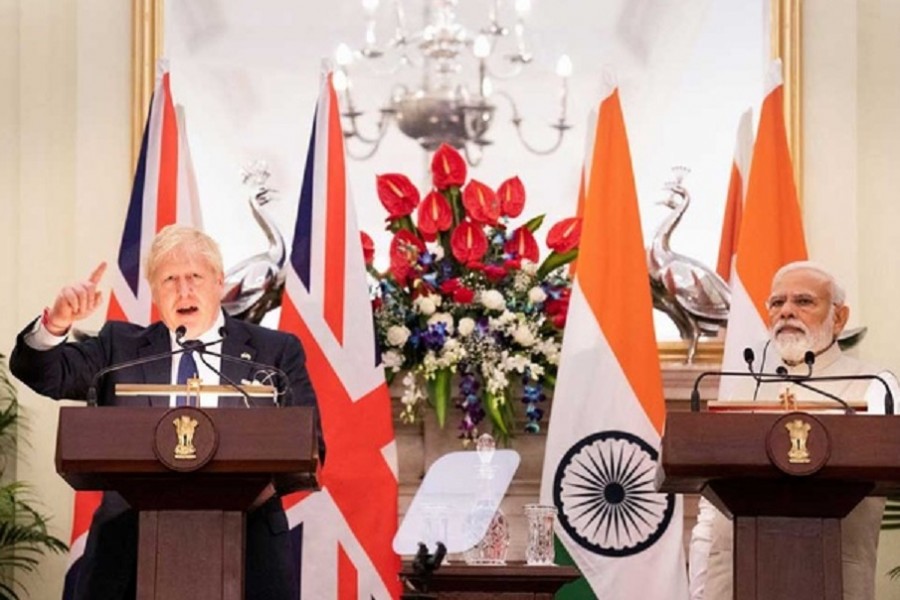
(439, 393)
(493, 406)
(454, 197)
(535, 223)
(402, 223)
(554, 261)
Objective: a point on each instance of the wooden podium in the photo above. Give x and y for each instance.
(191, 473)
(786, 479)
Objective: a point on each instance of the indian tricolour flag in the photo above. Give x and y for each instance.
(734, 201)
(771, 233)
(608, 413)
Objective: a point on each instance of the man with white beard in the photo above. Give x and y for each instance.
(806, 313)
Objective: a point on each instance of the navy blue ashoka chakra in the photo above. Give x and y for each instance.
(604, 490)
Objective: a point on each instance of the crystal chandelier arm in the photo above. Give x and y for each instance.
(561, 126)
(473, 156)
(353, 132)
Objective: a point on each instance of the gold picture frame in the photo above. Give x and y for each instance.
(785, 36)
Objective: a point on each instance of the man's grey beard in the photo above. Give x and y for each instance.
(793, 346)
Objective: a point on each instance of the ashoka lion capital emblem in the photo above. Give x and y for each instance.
(798, 430)
(185, 426)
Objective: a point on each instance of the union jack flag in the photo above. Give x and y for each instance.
(351, 522)
(164, 192)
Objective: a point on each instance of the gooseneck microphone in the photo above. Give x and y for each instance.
(268, 370)
(781, 375)
(179, 333)
(198, 348)
(800, 381)
(695, 391)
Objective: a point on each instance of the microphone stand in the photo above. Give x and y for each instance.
(200, 348)
(270, 369)
(782, 376)
(92, 390)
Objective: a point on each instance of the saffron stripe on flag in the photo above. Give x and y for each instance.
(604, 432)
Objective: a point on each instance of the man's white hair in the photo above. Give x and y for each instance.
(838, 296)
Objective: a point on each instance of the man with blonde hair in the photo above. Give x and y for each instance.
(184, 270)
(807, 313)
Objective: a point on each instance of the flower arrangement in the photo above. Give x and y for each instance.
(466, 293)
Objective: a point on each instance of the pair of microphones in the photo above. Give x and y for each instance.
(201, 350)
(804, 380)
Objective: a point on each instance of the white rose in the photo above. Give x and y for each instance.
(425, 305)
(438, 252)
(466, 326)
(523, 336)
(392, 360)
(397, 335)
(537, 295)
(492, 300)
(444, 318)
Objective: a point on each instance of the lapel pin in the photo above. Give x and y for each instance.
(245, 355)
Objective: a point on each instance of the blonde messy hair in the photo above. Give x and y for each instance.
(179, 238)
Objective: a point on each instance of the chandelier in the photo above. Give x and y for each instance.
(440, 107)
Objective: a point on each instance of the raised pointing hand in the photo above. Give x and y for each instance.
(75, 302)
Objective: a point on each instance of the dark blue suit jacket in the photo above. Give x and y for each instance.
(108, 567)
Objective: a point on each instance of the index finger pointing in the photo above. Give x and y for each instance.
(97, 275)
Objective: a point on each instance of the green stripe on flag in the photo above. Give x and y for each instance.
(579, 589)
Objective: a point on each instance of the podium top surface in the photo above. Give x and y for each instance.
(698, 448)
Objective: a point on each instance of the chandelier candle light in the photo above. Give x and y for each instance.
(441, 108)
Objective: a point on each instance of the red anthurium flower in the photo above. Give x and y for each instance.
(475, 265)
(468, 242)
(481, 203)
(434, 214)
(405, 251)
(512, 197)
(448, 168)
(565, 235)
(398, 195)
(522, 245)
(512, 264)
(494, 272)
(368, 247)
(558, 308)
(463, 295)
(450, 285)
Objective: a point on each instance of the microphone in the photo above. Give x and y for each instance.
(92, 390)
(199, 347)
(888, 395)
(809, 358)
(781, 375)
(269, 370)
(748, 358)
(758, 377)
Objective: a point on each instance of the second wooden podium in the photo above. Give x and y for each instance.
(787, 480)
(191, 473)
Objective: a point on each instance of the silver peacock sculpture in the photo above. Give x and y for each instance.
(694, 296)
(253, 287)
